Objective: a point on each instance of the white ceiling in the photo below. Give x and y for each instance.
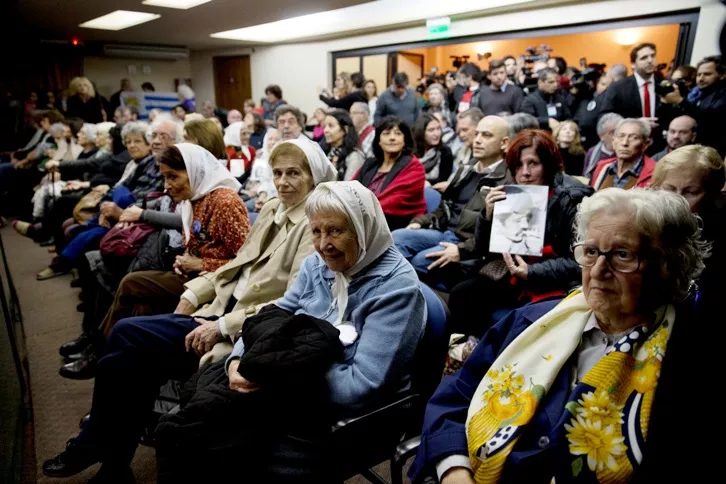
(59, 19)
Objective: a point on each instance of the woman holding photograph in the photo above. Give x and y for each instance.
(505, 280)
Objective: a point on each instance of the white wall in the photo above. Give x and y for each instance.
(107, 73)
(300, 68)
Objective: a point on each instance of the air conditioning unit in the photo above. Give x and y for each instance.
(144, 52)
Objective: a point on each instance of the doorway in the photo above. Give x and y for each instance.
(232, 81)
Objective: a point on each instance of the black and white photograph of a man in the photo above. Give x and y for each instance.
(518, 224)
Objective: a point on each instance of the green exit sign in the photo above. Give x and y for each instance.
(438, 27)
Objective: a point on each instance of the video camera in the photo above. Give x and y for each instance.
(459, 60)
(588, 76)
(666, 87)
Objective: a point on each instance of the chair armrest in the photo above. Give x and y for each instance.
(403, 403)
(407, 449)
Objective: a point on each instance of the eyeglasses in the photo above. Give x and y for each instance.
(620, 260)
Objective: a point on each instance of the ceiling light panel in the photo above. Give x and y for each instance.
(365, 16)
(119, 20)
(178, 4)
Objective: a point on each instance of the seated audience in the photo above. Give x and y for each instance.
(360, 114)
(437, 239)
(209, 314)
(398, 100)
(258, 127)
(697, 173)
(341, 144)
(428, 147)
(567, 137)
(508, 281)
(395, 175)
(378, 312)
(204, 132)
(239, 152)
(585, 365)
(448, 135)
(519, 122)
(631, 167)
(290, 121)
(547, 104)
(500, 96)
(354, 95)
(681, 132)
(272, 101)
(233, 116)
(604, 149)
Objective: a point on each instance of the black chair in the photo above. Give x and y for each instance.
(360, 443)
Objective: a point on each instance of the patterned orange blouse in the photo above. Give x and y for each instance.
(220, 227)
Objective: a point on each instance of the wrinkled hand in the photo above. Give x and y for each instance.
(444, 257)
(494, 195)
(239, 383)
(457, 475)
(101, 188)
(76, 185)
(553, 123)
(52, 165)
(414, 226)
(184, 264)
(517, 266)
(131, 214)
(111, 211)
(202, 338)
(441, 186)
(103, 222)
(184, 307)
(651, 122)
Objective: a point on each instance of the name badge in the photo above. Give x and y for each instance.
(551, 110)
(591, 105)
(463, 106)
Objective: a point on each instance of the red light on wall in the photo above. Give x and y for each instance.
(75, 42)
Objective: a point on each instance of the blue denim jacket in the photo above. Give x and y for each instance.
(388, 310)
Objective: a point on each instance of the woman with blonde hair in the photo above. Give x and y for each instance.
(696, 173)
(567, 135)
(204, 132)
(83, 102)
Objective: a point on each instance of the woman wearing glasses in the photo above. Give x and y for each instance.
(587, 388)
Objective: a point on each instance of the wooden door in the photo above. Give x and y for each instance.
(232, 81)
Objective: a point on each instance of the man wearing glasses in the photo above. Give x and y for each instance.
(631, 167)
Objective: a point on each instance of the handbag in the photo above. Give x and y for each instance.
(124, 242)
(87, 207)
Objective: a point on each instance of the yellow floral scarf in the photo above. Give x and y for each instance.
(605, 421)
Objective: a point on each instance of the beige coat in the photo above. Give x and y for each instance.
(273, 271)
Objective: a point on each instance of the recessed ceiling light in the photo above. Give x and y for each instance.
(364, 16)
(180, 4)
(119, 20)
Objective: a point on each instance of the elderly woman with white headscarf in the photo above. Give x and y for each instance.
(358, 283)
(240, 153)
(143, 352)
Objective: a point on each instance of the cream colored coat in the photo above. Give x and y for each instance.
(273, 271)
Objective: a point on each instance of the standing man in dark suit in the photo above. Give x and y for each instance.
(547, 104)
(634, 96)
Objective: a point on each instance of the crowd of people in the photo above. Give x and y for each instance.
(208, 244)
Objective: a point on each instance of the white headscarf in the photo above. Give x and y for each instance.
(321, 168)
(231, 134)
(205, 175)
(374, 238)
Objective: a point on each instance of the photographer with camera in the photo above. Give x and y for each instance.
(500, 96)
(547, 104)
(706, 103)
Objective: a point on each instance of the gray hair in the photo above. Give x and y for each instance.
(542, 74)
(104, 127)
(618, 71)
(606, 121)
(323, 200)
(90, 131)
(57, 129)
(664, 220)
(519, 122)
(364, 106)
(168, 121)
(135, 127)
(287, 108)
(644, 128)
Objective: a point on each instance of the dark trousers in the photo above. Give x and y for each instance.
(473, 302)
(142, 354)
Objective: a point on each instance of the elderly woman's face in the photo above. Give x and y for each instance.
(292, 178)
(335, 240)
(273, 139)
(137, 146)
(688, 183)
(244, 135)
(435, 97)
(608, 291)
(176, 183)
(82, 138)
(102, 139)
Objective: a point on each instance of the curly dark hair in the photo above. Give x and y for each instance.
(390, 122)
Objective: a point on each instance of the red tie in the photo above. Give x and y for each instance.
(646, 100)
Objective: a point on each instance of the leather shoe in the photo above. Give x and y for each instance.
(83, 369)
(71, 461)
(74, 346)
(106, 475)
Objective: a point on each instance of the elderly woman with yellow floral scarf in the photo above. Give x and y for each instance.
(585, 389)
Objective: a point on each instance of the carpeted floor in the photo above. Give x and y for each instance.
(49, 310)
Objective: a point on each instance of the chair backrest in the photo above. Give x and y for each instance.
(433, 198)
(431, 353)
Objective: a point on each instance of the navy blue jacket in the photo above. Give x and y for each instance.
(534, 459)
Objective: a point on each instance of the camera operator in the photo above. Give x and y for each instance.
(587, 111)
(547, 104)
(706, 103)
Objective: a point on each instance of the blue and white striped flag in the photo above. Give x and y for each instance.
(146, 101)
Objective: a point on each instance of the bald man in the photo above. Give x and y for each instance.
(439, 239)
(681, 132)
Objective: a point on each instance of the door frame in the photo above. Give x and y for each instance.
(688, 19)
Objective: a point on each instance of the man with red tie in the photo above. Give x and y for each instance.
(634, 96)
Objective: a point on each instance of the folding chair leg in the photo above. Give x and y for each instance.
(373, 477)
(396, 472)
